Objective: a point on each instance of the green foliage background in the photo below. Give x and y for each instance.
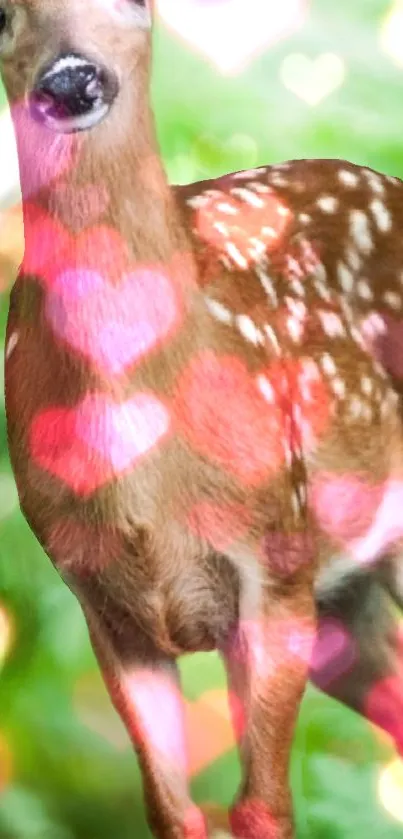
(72, 774)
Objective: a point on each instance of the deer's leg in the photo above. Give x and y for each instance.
(144, 688)
(372, 682)
(267, 665)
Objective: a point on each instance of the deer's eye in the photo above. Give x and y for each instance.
(3, 20)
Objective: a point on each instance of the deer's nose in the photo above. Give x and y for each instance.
(72, 94)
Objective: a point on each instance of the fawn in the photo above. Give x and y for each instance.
(203, 396)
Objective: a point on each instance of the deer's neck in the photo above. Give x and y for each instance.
(105, 241)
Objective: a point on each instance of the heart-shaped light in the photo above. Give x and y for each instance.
(97, 302)
(312, 79)
(228, 32)
(98, 440)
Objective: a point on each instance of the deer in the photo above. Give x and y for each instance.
(204, 410)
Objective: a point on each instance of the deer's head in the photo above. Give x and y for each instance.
(69, 63)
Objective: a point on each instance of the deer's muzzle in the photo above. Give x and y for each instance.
(73, 94)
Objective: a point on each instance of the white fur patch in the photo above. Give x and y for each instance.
(219, 311)
(12, 343)
(348, 178)
(68, 125)
(360, 231)
(66, 62)
(328, 203)
(381, 214)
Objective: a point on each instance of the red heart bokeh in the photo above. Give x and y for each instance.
(225, 417)
(98, 440)
(222, 410)
(97, 302)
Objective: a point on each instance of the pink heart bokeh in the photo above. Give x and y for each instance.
(113, 326)
(98, 440)
(231, 33)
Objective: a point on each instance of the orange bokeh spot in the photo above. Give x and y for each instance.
(7, 632)
(208, 729)
(6, 762)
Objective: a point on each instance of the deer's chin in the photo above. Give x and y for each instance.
(74, 124)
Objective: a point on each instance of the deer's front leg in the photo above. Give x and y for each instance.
(145, 691)
(267, 665)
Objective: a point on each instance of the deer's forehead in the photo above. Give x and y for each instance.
(89, 12)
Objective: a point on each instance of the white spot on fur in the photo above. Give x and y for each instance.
(224, 207)
(265, 388)
(249, 330)
(364, 290)
(374, 181)
(298, 288)
(381, 214)
(267, 285)
(353, 259)
(304, 218)
(360, 231)
(296, 321)
(220, 312)
(345, 277)
(296, 503)
(356, 407)
(366, 385)
(12, 343)
(393, 299)
(321, 288)
(221, 227)
(248, 196)
(328, 203)
(296, 307)
(328, 364)
(338, 387)
(259, 247)
(259, 187)
(196, 202)
(250, 173)
(332, 324)
(278, 180)
(272, 337)
(236, 255)
(348, 178)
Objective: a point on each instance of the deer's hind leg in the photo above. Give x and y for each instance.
(372, 684)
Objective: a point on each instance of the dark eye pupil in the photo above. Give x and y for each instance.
(3, 20)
